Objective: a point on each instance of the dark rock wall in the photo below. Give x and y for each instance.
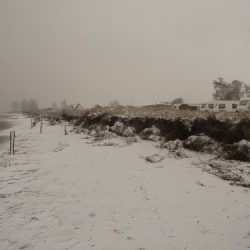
(171, 129)
(224, 133)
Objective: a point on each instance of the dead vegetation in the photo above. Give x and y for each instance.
(155, 112)
(220, 134)
(236, 173)
(226, 136)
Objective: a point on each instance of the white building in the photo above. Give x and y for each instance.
(219, 105)
(244, 104)
(77, 106)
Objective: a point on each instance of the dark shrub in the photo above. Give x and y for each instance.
(177, 129)
(239, 132)
(212, 127)
(236, 152)
(184, 107)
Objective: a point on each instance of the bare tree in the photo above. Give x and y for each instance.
(24, 106)
(237, 88)
(246, 90)
(63, 105)
(54, 105)
(114, 104)
(228, 91)
(14, 107)
(178, 100)
(33, 105)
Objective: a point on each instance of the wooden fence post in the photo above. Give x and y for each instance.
(41, 126)
(12, 142)
(65, 130)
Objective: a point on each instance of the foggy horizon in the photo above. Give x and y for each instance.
(136, 52)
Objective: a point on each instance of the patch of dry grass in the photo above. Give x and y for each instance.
(159, 112)
(155, 112)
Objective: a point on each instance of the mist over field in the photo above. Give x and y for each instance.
(87, 168)
(136, 52)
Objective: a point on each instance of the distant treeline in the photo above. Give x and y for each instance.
(24, 106)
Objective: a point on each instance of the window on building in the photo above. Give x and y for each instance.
(222, 106)
(211, 106)
(234, 106)
(243, 102)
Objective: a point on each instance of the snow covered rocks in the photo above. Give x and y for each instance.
(122, 130)
(238, 151)
(175, 148)
(202, 143)
(151, 134)
(155, 158)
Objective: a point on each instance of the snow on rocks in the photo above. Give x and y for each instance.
(175, 148)
(155, 158)
(243, 143)
(100, 133)
(238, 151)
(128, 132)
(173, 145)
(108, 135)
(130, 140)
(202, 143)
(122, 130)
(151, 134)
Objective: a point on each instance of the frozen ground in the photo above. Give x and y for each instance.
(67, 192)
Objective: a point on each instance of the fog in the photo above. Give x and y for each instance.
(134, 51)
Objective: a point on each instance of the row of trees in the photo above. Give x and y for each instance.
(226, 91)
(178, 100)
(63, 103)
(24, 106)
(223, 91)
(32, 105)
(230, 91)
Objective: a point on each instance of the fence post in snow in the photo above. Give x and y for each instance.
(31, 123)
(12, 142)
(65, 130)
(41, 126)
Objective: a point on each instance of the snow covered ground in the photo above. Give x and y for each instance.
(67, 192)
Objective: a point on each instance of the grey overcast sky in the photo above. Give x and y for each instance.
(133, 51)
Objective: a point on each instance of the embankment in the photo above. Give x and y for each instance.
(224, 137)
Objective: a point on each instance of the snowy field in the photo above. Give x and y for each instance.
(68, 192)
